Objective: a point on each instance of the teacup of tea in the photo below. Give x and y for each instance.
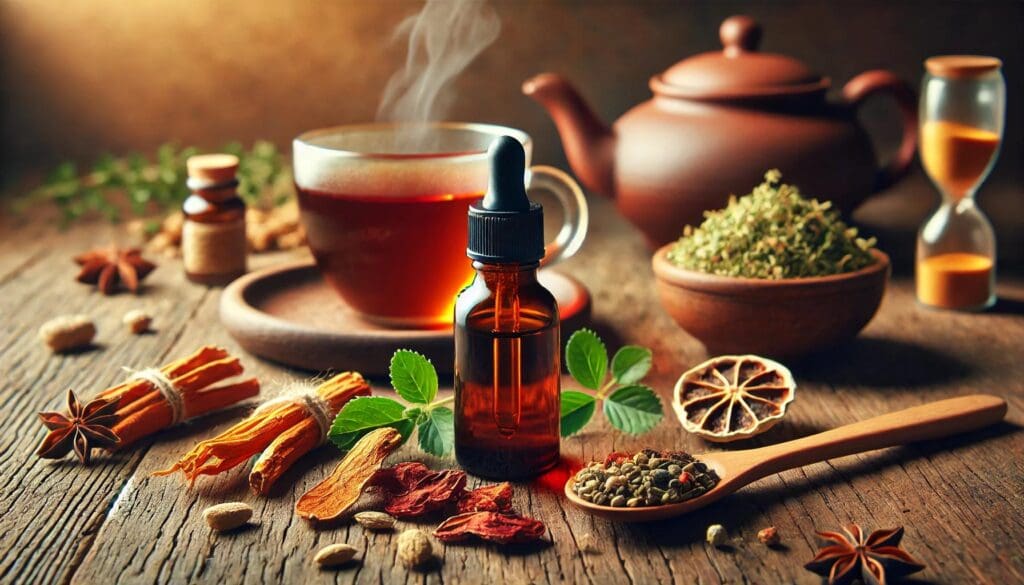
(385, 205)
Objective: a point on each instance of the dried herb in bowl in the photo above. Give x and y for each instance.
(772, 233)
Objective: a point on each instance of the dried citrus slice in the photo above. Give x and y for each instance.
(733, 397)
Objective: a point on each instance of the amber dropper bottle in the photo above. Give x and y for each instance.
(507, 368)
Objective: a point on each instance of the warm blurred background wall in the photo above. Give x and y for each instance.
(86, 76)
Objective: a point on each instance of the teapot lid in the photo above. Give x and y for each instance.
(739, 70)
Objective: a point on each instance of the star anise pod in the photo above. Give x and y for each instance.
(83, 429)
(875, 560)
(108, 267)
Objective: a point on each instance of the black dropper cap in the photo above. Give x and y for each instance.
(505, 227)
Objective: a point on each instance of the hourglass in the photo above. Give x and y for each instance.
(963, 100)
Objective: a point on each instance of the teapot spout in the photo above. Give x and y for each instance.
(589, 143)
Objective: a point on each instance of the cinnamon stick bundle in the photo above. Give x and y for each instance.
(149, 401)
(143, 408)
(282, 430)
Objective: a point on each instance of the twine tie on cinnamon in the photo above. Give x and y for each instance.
(306, 397)
(168, 390)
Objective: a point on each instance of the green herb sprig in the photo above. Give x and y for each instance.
(628, 405)
(156, 185)
(415, 380)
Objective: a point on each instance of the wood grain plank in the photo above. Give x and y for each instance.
(960, 499)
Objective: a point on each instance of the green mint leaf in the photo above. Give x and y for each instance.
(577, 410)
(413, 377)
(633, 409)
(630, 364)
(586, 358)
(364, 414)
(437, 432)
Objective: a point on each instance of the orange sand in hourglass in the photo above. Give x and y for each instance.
(955, 280)
(956, 155)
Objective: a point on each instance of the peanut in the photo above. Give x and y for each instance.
(68, 332)
(334, 555)
(227, 516)
(769, 536)
(138, 321)
(375, 521)
(414, 548)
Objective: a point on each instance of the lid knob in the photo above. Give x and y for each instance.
(739, 34)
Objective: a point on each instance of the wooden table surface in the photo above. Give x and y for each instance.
(961, 500)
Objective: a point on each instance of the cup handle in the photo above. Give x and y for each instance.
(574, 206)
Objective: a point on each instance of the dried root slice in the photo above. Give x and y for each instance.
(335, 495)
(489, 498)
(733, 397)
(490, 526)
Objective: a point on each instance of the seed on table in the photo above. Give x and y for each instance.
(227, 516)
(334, 555)
(375, 521)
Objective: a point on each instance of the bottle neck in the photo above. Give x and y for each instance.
(523, 273)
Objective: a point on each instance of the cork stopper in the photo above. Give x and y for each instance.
(961, 66)
(212, 169)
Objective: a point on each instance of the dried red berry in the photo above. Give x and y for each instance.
(685, 477)
(616, 457)
(491, 526)
(489, 498)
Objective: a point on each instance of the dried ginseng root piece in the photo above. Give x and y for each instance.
(412, 490)
(280, 432)
(733, 397)
(335, 495)
(490, 526)
(489, 498)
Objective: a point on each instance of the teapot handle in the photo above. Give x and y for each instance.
(858, 89)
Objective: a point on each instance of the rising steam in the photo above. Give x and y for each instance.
(443, 39)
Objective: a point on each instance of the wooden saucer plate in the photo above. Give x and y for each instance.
(289, 314)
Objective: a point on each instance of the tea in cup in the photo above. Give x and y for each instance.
(386, 219)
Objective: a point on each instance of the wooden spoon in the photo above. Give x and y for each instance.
(736, 469)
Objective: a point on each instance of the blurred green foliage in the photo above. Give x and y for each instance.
(145, 187)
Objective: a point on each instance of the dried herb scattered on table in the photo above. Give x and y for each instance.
(648, 478)
(83, 429)
(110, 267)
(875, 559)
(772, 233)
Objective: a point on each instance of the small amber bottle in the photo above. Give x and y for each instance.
(507, 367)
(213, 244)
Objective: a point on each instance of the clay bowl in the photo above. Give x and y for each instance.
(777, 318)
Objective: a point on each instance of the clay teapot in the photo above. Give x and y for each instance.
(716, 123)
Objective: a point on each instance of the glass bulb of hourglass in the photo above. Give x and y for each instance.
(962, 108)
